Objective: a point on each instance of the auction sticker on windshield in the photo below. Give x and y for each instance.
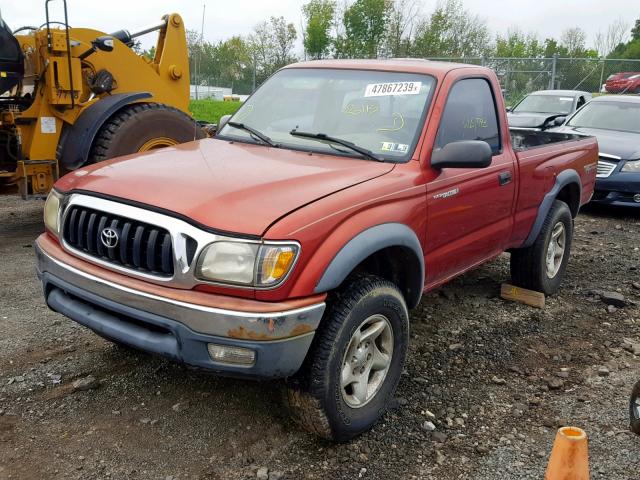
(392, 88)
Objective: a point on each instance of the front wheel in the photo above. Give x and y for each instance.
(542, 266)
(355, 362)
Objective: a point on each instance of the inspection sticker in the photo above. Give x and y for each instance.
(392, 88)
(394, 147)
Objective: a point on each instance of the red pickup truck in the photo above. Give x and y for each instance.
(294, 244)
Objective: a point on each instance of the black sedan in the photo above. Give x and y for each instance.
(615, 121)
(546, 108)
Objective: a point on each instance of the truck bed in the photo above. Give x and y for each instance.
(522, 140)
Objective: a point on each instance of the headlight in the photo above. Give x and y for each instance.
(633, 166)
(228, 262)
(52, 212)
(245, 263)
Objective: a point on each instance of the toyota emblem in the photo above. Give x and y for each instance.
(109, 237)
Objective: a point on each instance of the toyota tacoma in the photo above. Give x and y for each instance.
(294, 243)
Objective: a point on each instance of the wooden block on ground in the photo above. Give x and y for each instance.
(522, 295)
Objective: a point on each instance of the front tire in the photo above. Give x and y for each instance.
(542, 266)
(355, 362)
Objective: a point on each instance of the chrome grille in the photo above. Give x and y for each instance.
(138, 245)
(605, 168)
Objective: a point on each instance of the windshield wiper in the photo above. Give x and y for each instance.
(256, 133)
(323, 137)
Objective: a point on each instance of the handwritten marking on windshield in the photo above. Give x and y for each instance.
(475, 122)
(355, 110)
(398, 124)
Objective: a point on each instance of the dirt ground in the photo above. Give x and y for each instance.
(495, 378)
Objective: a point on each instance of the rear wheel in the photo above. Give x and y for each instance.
(142, 127)
(355, 362)
(541, 266)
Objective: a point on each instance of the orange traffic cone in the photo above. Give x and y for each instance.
(569, 458)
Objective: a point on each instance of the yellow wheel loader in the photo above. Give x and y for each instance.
(74, 96)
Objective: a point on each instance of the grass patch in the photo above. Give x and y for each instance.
(211, 110)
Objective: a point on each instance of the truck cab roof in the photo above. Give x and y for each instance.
(409, 65)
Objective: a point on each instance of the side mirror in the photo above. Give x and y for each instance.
(559, 121)
(104, 43)
(463, 154)
(223, 121)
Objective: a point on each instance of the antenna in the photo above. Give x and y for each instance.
(196, 73)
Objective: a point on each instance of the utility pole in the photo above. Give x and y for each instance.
(199, 59)
(254, 72)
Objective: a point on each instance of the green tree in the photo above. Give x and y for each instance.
(518, 54)
(452, 31)
(284, 38)
(519, 45)
(271, 46)
(635, 31)
(319, 15)
(150, 54)
(630, 49)
(552, 47)
(403, 19)
(365, 23)
(615, 34)
(233, 65)
(574, 39)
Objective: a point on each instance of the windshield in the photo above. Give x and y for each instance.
(545, 104)
(378, 111)
(622, 116)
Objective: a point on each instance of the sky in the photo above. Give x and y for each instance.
(224, 19)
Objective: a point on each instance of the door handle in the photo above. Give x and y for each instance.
(504, 178)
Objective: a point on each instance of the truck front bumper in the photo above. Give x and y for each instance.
(177, 329)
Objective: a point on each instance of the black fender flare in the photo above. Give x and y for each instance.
(564, 178)
(365, 244)
(76, 141)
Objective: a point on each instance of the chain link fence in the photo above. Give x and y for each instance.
(520, 76)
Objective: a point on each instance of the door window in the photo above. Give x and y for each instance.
(470, 114)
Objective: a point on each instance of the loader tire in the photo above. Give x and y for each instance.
(142, 127)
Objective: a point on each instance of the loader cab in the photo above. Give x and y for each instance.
(11, 61)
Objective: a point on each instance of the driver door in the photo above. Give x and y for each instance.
(469, 209)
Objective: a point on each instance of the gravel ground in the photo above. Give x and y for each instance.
(494, 378)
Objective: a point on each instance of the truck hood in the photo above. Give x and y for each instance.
(625, 145)
(232, 187)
